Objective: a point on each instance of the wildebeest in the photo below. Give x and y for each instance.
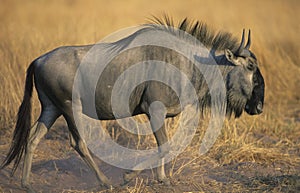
(53, 74)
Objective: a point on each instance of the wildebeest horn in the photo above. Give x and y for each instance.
(241, 48)
(249, 41)
(244, 51)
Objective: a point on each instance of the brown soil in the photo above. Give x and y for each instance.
(58, 168)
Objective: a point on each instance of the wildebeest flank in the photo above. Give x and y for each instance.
(54, 72)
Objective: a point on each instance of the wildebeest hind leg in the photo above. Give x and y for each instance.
(80, 146)
(37, 132)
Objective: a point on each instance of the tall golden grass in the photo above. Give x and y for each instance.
(30, 28)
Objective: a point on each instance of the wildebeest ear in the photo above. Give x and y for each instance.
(230, 57)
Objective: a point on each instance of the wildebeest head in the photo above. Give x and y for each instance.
(245, 84)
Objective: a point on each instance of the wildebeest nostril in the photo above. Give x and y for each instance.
(247, 107)
(259, 107)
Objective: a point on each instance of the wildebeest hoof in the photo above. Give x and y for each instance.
(127, 177)
(165, 181)
(106, 185)
(29, 189)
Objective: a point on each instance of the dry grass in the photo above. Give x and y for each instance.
(29, 29)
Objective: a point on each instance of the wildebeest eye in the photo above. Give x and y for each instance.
(251, 66)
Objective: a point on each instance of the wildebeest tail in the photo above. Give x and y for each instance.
(22, 129)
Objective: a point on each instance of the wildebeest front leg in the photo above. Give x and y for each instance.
(161, 138)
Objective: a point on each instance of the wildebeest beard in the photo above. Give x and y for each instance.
(235, 104)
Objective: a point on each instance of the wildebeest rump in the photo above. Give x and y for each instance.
(54, 72)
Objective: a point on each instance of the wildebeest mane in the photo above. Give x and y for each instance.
(215, 40)
(208, 37)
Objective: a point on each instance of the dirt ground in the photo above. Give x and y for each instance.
(58, 168)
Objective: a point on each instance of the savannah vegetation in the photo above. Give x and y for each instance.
(253, 153)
